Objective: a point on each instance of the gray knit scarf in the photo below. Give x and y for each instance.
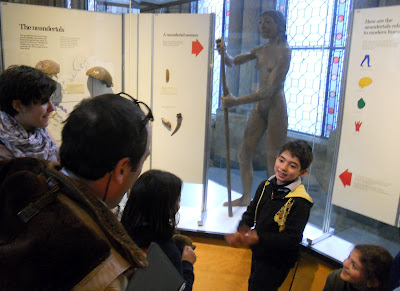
(21, 143)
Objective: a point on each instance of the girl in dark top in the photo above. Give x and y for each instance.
(368, 267)
(149, 216)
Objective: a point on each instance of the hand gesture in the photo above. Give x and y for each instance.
(189, 255)
(234, 239)
(251, 238)
(229, 101)
(244, 237)
(244, 229)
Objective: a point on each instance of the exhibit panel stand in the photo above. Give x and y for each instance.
(164, 60)
(182, 63)
(138, 41)
(145, 64)
(168, 61)
(181, 80)
(75, 40)
(366, 179)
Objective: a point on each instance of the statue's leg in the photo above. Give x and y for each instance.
(276, 135)
(253, 132)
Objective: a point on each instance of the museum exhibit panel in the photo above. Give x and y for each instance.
(333, 65)
(31, 34)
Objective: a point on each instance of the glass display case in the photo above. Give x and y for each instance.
(160, 53)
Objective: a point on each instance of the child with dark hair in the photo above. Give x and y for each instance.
(273, 223)
(149, 216)
(368, 267)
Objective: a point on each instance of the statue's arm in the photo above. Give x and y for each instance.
(268, 87)
(233, 61)
(241, 59)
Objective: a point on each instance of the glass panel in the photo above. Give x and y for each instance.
(341, 23)
(333, 92)
(309, 23)
(317, 35)
(215, 6)
(305, 90)
(317, 32)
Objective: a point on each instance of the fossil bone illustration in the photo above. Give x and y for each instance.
(101, 74)
(48, 67)
(167, 75)
(178, 124)
(166, 122)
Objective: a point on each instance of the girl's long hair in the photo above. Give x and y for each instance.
(152, 205)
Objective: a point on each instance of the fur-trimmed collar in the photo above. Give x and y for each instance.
(55, 249)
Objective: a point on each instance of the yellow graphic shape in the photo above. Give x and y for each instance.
(364, 82)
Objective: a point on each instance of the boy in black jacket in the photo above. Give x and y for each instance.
(274, 222)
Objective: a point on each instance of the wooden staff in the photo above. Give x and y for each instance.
(226, 121)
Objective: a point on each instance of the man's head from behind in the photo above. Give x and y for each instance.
(293, 161)
(99, 133)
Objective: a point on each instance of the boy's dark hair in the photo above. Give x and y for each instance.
(26, 84)
(377, 265)
(151, 204)
(101, 131)
(300, 149)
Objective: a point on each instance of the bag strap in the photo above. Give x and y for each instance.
(34, 208)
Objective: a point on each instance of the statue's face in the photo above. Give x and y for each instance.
(268, 27)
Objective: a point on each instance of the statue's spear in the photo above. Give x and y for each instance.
(226, 121)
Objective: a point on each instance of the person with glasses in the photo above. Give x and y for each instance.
(60, 233)
(25, 104)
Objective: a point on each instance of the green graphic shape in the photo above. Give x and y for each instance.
(361, 103)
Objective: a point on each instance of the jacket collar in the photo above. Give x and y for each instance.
(292, 186)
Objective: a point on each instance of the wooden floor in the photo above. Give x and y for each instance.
(221, 267)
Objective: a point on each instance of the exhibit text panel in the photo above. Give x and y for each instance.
(367, 180)
(180, 91)
(74, 39)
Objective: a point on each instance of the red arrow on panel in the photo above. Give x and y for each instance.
(346, 177)
(196, 47)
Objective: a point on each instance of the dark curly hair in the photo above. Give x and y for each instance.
(26, 84)
(377, 265)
